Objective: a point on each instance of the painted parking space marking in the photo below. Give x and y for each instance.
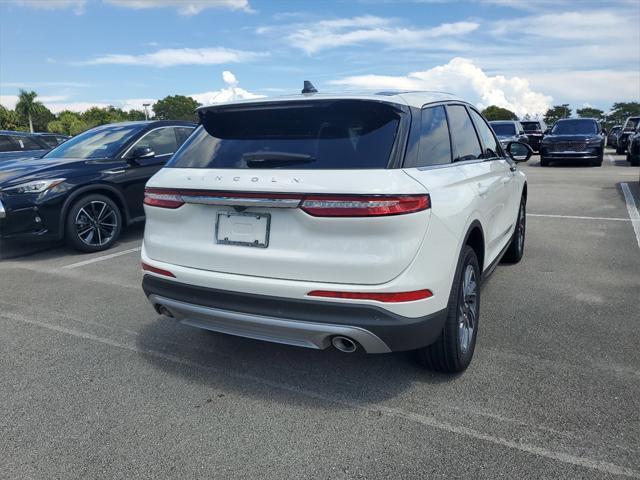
(634, 216)
(576, 217)
(102, 258)
(611, 159)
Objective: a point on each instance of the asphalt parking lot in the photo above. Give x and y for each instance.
(93, 384)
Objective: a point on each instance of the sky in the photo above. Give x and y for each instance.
(521, 55)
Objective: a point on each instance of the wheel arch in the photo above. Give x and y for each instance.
(475, 239)
(103, 189)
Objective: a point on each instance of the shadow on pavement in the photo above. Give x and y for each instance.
(279, 372)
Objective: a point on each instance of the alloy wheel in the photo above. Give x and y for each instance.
(468, 309)
(96, 223)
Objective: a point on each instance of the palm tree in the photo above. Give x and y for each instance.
(27, 105)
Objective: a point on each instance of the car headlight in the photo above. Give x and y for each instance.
(37, 186)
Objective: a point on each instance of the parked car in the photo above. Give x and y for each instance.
(86, 189)
(509, 131)
(21, 145)
(628, 129)
(573, 139)
(633, 148)
(53, 139)
(348, 220)
(612, 137)
(535, 130)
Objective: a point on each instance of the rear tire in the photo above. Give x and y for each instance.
(93, 223)
(453, 350)
(544, 162)
(515, 251)
(634, 160)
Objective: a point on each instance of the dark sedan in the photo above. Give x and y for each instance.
(573, 139)
(612, 137)
(87, 188)
(628, 129)
(21, 145)
(633, 148)
(535, 132)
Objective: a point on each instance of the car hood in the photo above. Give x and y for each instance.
(569, 138)
(20, 170)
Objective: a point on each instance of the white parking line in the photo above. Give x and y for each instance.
(634, 216)
(610, 158)
(102, 258)
(428, 421)
(575, 217)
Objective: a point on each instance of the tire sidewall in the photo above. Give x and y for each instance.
(70, 229)
(467, 257)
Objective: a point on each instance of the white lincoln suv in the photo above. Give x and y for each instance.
(347, 220)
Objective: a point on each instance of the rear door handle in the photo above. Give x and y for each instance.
(114, 172)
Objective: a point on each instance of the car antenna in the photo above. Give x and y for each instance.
(308, 88)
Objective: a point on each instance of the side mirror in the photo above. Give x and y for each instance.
(519, 152)
(142, 152)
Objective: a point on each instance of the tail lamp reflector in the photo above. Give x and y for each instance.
(387, 297)
(148, 268)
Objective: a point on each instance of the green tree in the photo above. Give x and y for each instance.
(176, 107)
(493, 112)
(27, 106)
(589, 112)
(557, 112)
(68, 123)
(135, 115)
(98, 116)
(41, 117)
(621, 110)
(9, 119)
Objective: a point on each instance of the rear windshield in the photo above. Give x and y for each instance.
(575, 127)
(503, 129)
(338, 134)
(530, 126)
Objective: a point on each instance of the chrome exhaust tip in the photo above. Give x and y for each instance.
(344, 344)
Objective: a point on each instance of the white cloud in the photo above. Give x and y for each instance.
(76, 5)
(227, 94)
(368, 29)
(8, 101)
(184, 7)
(463, 78)
(229, 78)
(169, 57)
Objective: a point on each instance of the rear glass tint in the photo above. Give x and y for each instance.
(337, 134)
(504, 129)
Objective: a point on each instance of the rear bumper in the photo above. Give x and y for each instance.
(304, 323)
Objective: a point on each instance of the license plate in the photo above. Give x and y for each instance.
(244, 229)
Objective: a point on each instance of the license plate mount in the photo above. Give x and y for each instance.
(243, 229)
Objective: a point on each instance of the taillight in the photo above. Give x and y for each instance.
(148, 268)
(392, 297)
(162, 198)
(363, 206)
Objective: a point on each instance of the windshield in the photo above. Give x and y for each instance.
(297, 135)
(631, 124)
(575, 127)
(531, 126)
(504, 129)
(99, 142)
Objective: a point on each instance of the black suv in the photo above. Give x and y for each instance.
(535, 130)
(628, 129)
(573, 139)
(87, 188)
(21, 144)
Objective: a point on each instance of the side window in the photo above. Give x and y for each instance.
(490, 143)
(31, 143)
(6, 145)
(465, 141)
(183, 133)
(435, 144)
(161, 141)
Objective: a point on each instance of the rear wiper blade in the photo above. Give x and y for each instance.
(276, 158)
